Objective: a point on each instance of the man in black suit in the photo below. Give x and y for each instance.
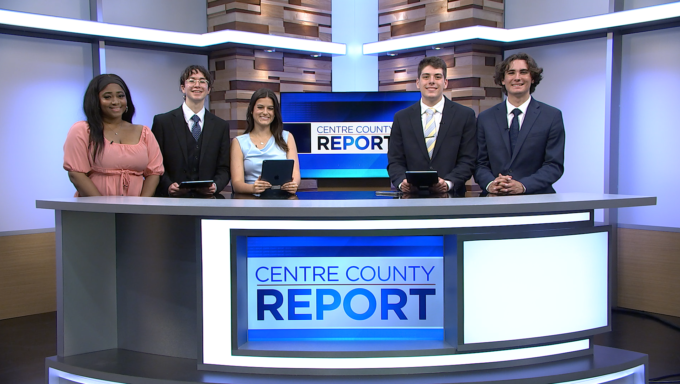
(521, 140)
(433, 134)
(193, 141)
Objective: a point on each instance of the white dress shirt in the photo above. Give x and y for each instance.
(188, 114)
(522, 108)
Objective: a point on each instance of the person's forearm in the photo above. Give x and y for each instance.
(242, 187)
(83, 184)
(149, 186)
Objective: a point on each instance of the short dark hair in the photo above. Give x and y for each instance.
(276, 127)
(93, 110)
(434, 62)
(534, 70)
(192, 69)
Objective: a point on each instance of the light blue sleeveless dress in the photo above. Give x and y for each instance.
(253, 157)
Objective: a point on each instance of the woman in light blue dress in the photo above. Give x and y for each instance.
(264, 139)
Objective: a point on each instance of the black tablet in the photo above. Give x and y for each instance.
(277, 172)
(196, 184)
(422, 180)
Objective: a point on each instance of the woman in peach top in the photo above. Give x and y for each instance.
(107, 155)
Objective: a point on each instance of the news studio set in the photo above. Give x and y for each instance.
(340, 284)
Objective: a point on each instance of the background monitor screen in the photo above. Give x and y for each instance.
(343, 134)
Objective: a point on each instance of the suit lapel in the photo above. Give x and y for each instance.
(180, 126)
(502, 123)
(417, 124)
(532, 114)
(444, 126)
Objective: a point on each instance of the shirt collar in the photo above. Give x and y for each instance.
(439, 107)
(188, 113)
(509, 107)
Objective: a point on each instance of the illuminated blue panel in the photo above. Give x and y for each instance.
(344, 334)
(345, 288)
(346, 246)
(343, 165)
(344, 106)
(299, 110)
(344, 161)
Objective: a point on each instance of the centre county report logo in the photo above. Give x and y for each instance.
(345, 292)
(366, 137)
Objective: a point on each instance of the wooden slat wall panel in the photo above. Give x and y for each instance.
(471, 66)
(239, 72)
(648, 270)
(27, 275)
(470, 74)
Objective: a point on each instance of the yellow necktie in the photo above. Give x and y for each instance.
(430, 139)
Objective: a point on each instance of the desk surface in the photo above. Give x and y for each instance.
(364, 205)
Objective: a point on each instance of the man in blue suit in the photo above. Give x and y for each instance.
(521, 140)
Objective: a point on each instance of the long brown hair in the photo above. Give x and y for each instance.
(276, 127)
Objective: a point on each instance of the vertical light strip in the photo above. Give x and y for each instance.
(355, 22)
(612, 128)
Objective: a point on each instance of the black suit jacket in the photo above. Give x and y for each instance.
(170, 131)
(538, 160)
(454, 151)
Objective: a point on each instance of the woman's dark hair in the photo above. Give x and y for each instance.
(276, 127)
(534, 70)
(93, 110)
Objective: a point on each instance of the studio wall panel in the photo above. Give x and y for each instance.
(522, 13)
(635, 4)
(73, 9)
(648, 271)
(27, 275)
(172, 15)
(649, 126)
(47, 80)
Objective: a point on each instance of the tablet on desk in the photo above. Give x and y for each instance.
(196, 184)
(422, 180)
(277, 172)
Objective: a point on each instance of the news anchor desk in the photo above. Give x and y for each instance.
(322, 288)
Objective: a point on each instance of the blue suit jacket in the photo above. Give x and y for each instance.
(538, 160)
(454, 151)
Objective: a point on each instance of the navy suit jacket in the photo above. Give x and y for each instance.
(538, 160)
(454, 151)
(170, 130)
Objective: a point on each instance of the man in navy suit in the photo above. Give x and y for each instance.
(433, 134)
(521, 140)
(193, 141)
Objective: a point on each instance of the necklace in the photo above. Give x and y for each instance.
(256, 139)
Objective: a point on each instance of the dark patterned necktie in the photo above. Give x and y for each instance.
(196, 129)
(514, 129)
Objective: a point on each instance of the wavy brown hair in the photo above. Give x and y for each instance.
(276, 127)
(534, 70)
